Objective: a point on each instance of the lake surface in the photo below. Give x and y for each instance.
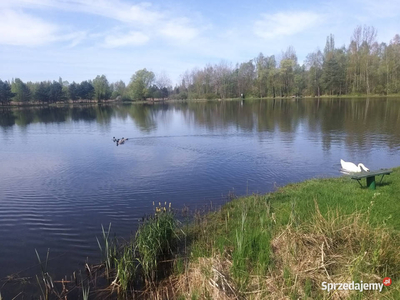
(62, 177)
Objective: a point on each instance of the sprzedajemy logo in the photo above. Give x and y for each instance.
(356, 286)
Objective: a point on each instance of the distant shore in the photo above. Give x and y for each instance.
(151, 101)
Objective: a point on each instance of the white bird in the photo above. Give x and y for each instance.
(350, 167)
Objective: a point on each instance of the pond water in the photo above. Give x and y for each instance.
(62, 177)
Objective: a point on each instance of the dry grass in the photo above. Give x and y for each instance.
(204, 278)
(335, 248)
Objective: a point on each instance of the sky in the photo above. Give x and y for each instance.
(80, 39)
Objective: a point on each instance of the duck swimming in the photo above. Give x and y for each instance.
(119, 141)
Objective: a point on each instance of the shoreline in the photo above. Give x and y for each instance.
(95, 102)
(282, 244)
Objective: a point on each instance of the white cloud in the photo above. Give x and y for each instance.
(21, 29)
(133, 38)
(285, 24)
(179, 29)
(18, 28)
(141, 20)
(141, 13)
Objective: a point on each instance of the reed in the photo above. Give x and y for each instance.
(154, 240)
(85, 290)
(126, 266)
(108, 250)
(45, 282)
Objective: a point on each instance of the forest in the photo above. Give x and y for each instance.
(364, 67)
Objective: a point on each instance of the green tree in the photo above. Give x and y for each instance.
(261, 63)
(73, 91)
(287, 76)
(139, 86)
(42, 92)
(55, 92)
(245, 77)
(164, 92)
(85, 90)
(21, 91)
(154, 92)
(393, 65)
(5, 92)
(314, 63)
(273, 76)
(300, 82)
(101, 88)
(118, 89)
(360, 56)
(333, 68)
(287, 67)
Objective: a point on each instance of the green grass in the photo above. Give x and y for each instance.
(141, 261)
(108, 249)
(125, 265)
(154, 240)
(342, 193)
(275, 235)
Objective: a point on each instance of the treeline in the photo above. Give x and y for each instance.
(365, 67)
(143, 85)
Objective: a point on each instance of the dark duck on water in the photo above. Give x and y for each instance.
(119, 141)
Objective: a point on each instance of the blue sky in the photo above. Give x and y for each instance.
(79, 39)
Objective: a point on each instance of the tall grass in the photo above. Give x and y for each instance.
(125, 265)
(45, 282)
(154, 239)
(108, 249)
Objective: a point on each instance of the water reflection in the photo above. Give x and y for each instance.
(358, 122)
(355, 117)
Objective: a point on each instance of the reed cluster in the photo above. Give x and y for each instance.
(154, 240)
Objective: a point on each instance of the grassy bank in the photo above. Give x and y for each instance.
(283, 245)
